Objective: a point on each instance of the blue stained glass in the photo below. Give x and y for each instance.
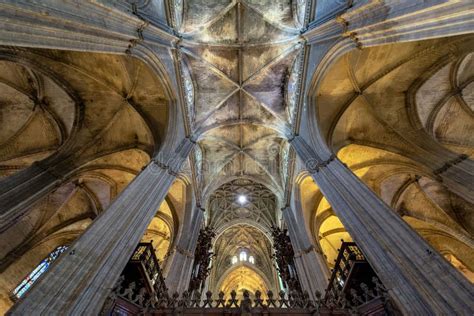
(42, 267)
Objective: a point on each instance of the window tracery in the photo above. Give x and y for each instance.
(242, 199)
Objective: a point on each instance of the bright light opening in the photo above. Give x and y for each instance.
(252, 259)
(243, 256)
(242, 199)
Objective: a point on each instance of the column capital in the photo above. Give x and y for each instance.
(307, 250)
(450, 163)
(312, 161)
(184, 252)
(172, 161)
(199, 206)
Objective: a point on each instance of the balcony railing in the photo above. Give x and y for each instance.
(348, 260)
(141, 280)
(145, 259)
(354, 284)
(346, 294)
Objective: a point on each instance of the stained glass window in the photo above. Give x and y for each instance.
(41, 268)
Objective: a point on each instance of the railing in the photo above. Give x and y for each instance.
(140, 280)
(282, 304)
(145, 256)
(354, 284)
(349, 255)
(372, 302)
(344, 296)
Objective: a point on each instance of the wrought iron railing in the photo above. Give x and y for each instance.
(194, 300)
(144, 255)
(353, 282)
(281, 304)
(133, 298)
(349, 255)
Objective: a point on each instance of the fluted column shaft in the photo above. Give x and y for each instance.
(83, 276)
(365, 23)
(455, 171)
(179, 268)
(420, 281)
(372, 23)
(312, 270)
(19, 192)
(100, 26)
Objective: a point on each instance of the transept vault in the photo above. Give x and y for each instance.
(242, 151)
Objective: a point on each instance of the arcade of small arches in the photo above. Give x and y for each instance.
(240, 116)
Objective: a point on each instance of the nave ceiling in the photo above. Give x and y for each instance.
(94, 120)
(100, 118)
(241, 64)
(394, 111)
(241, 88)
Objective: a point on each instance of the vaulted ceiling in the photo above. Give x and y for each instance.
(386, 103)
(240, 63)
(102, 117)
(381, 96)
(230, 243)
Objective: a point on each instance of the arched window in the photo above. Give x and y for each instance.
(41, 268)
(234, 259)
(252, 259)
(243, 256)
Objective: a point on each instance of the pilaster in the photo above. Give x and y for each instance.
(418, 278)
(312, 270)
(178, 270)
(83, 276)
(99, 26)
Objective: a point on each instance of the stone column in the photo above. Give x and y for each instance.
(372, 23)
(419, 280)
(21, 191)
(178, 269)
(455, 171)
(81, 280)
(310, 264)
(99, 26)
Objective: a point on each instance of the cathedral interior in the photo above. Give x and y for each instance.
(247, 143)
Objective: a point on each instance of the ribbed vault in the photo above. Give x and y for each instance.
(102, 116)
(225, 210)
(241, 87)
(395, 111)
(231, 243)
(90, 122)
(241, 66)
(442, 218)
(381, 96)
